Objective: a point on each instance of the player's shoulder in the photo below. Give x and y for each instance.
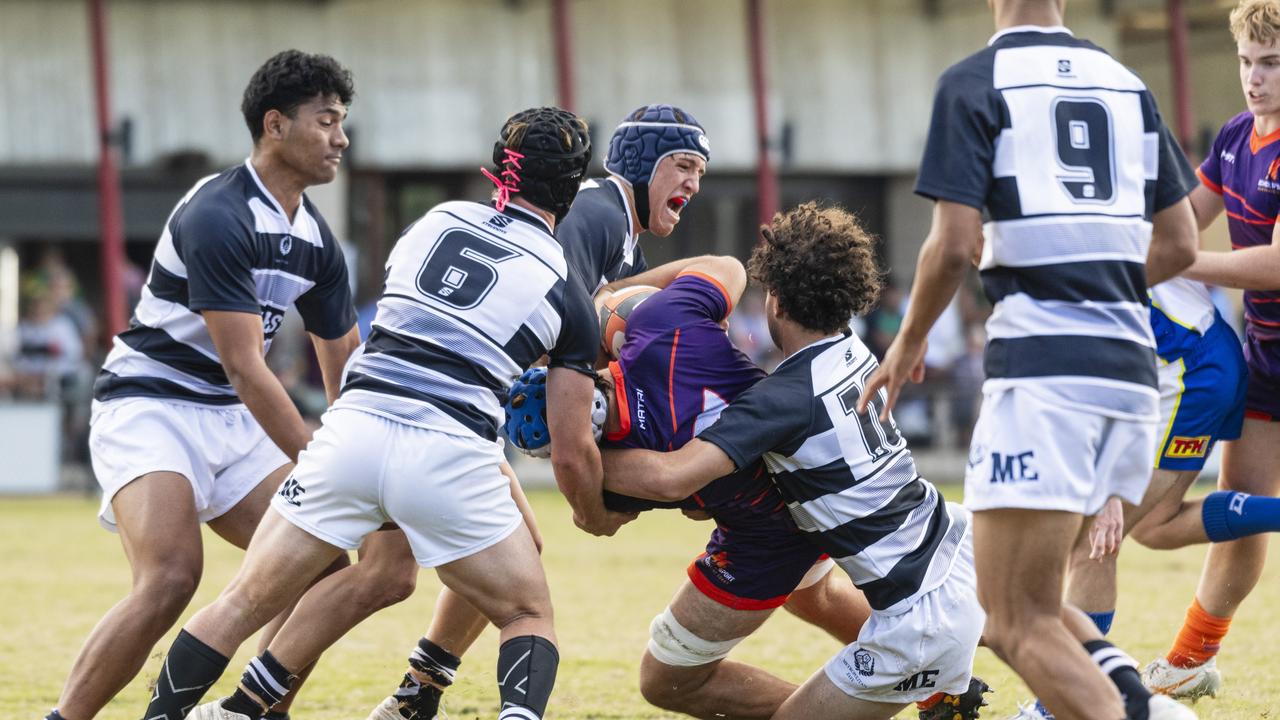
(597, 208)
(217, 206)
(1237, 128)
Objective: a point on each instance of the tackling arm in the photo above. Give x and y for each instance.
(665, 476)
(238, 338)
(576, 459)
(1252, 268)
(659, 277)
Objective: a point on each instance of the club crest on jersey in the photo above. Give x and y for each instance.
(1188, 447)
(864, 663)
(286, 244)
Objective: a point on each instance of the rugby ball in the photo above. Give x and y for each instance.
(613, 313)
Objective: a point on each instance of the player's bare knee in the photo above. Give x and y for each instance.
(668, 687)
(167, 586)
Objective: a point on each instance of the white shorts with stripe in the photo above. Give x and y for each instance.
(446, 492)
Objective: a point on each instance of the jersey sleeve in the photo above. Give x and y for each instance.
(327, 309)
(960, 148)
(575, 347)
(691, 297)
(772, 413)
(217, 248)
(1210, 170)
(1175, 178)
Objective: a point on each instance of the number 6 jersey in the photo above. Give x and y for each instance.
(1064, 148)
(473, 297)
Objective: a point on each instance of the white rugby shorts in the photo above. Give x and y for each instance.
(908, 657)
(222, 451)
(446, 492)
(1038, 455)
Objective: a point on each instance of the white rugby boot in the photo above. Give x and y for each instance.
(388, 709)
(214, 711)
(1163, 707)
(1191, 683)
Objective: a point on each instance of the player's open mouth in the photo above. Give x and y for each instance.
(677, 203)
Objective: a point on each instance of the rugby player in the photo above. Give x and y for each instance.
(1239, 176)
(848, 480)
(189, 425)
(1084, 186)
(657, 157)
(475, 293)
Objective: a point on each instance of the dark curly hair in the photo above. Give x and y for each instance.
(820, 264)
(289, 79)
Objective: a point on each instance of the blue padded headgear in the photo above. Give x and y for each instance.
(649, 134)
(526, 410)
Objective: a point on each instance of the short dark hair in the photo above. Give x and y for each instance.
(289, 79)
(820, 264)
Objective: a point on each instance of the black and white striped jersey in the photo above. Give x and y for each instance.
(848, 479)
(228, 245)
(473, 297)
(1066, 151)
(597, 235)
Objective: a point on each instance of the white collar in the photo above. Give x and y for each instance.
(1046, 29)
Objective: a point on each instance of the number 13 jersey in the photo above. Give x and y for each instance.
(473, 297)
(1065, 150)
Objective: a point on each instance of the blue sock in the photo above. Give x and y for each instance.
(1229, 515)
(1102, 620)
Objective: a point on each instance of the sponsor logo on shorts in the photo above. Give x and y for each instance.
(865, 664)
(1013, 468)
(718, 565)
(922, 679)
(1187, 447)
(290, 491)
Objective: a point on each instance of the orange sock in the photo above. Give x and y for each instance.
(1199, 639)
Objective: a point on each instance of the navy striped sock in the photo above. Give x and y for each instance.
(265, 682)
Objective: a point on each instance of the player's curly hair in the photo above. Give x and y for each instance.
(1256, 20)
(289, 79)
(820, 264)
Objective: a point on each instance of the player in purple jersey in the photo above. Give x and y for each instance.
(1241, 177)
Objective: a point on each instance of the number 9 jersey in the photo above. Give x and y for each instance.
(1065, 150)
(473, 297)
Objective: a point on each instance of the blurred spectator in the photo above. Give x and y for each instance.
(885, 321)
(50, 362)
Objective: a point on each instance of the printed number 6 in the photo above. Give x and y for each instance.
(461, 269)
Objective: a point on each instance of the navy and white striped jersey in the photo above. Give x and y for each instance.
(228, 245)
(848, 479)
(597, 235)
(1064, 148)
(473, 297)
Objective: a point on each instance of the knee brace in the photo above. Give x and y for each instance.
(671, 643)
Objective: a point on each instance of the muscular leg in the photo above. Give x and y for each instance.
(505, 582)
(721, 688)
(160, 533)
(833, 604)
(281, 561)
(820, 699)
(1021, 556)
(1252, 465)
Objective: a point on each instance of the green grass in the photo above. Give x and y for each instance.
(61, 571)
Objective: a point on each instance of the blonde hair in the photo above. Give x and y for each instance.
(1256, 20)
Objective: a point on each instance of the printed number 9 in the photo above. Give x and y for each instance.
(1084, 149)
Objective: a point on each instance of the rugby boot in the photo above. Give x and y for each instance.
(214, 711)
(964, 706)
(1163, 707)
(1191, 683)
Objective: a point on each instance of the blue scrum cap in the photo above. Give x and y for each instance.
(649, 134)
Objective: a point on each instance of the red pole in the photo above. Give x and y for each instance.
(1178, 68)
(110, 212)
(766, 176)
(562, 36)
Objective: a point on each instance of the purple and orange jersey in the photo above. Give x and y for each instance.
(1244, 169)
(676, 373)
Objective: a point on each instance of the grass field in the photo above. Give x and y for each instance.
(61, 572)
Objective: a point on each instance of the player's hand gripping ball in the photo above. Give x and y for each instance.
(526, 410)
(613, 311)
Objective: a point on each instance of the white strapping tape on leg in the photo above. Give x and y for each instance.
(816, 573)
(671, 643)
